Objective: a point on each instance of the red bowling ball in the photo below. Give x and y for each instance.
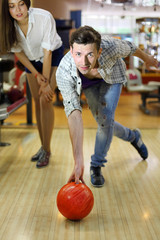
(75, 201)
(14, 94)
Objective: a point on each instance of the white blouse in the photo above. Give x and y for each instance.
(41, 35)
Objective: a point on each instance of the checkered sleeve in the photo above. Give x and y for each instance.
(124, 48)
(67, 86)
(117, 48)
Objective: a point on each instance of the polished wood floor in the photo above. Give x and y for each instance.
(128, 113)
(126, 208)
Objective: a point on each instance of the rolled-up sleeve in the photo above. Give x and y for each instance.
(124, 48)
(51, 39)
(116, 48)
(16, 48)
(68, 89)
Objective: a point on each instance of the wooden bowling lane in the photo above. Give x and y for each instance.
(126, 208)
(127, 113)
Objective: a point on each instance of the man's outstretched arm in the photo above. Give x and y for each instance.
(149, 60)
(76, 135)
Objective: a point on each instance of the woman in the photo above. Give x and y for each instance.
(31, 34)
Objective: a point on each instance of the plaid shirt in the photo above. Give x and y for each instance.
(111, 67)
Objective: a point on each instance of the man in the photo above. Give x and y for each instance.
(96, 66)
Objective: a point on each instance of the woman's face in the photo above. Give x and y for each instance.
(18, 10)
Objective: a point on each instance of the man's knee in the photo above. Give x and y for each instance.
(105, 121)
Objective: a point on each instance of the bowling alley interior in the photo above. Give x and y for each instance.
(127, 206)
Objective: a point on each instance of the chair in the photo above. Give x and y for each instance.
(155, 84)
(134, 84)
(22, 80)
(12, 76)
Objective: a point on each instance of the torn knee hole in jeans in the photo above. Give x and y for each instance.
(103, 103)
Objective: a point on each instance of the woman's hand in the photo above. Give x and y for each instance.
(46, 91)
(77, 174)
(41, 79)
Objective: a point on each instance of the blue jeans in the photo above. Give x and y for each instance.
(102, 99)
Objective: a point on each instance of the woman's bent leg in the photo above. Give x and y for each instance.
(34, 88)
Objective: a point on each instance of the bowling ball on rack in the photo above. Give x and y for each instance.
(14, 94)
(75, 201)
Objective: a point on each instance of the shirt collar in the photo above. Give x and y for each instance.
(31, 16)
(30, 20)
(74, 70)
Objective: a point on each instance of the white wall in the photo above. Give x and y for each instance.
(62, 8)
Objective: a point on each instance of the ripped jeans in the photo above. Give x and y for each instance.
(102, 99)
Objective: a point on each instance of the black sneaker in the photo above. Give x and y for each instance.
(36, 156)
(97, 179)
(139, 145)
